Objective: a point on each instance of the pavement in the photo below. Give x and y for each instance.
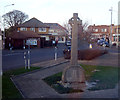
(31, 84)
(110, 59)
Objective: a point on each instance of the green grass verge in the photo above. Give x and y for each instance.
(107, 76)
(8, 88)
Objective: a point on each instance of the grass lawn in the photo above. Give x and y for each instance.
(8, 88)
(106, 78)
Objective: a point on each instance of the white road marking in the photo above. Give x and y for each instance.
(12, 54)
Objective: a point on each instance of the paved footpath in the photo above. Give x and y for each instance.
(31, 85)
(110, 59)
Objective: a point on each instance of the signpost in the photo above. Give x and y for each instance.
(27, 59)
(55, 53)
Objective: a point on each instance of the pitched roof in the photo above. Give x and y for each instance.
(24, 35)
(56, 26)
(33, 23)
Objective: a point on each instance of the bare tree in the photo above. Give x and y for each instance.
(84, 34)
(14, 18)
(67, 26)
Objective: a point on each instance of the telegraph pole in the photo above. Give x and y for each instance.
(4, 26)
(118, 27)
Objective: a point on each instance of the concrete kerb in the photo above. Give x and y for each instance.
(17, 86)
(49, 62)
(43, 68)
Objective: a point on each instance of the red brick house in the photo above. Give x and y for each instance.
(33, 32)
(103, 31)
(57, 32)
(99, 31)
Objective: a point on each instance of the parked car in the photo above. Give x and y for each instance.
(67, 49)
(103, 43)
(68, 43)
(99, 42)
(106, 44)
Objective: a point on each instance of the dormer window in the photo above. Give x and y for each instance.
(42, 29)
(32, 29)
(23, 29)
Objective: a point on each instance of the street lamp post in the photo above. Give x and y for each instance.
(4, 27)
(118, 26)
(110, 38)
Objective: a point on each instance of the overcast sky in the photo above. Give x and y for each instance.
(59, 11)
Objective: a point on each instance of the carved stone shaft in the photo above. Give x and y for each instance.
(73, 75)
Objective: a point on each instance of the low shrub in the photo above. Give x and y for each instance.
(87, 54)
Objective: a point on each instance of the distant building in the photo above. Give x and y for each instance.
(104, 31)
(33, 32)
(57, 32)
(99, 31)
(115, 34)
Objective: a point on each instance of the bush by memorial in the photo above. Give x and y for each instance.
(87, 54)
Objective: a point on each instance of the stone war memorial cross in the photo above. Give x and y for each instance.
(73, 75)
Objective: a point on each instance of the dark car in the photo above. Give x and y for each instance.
(67, 49)
(68, 43)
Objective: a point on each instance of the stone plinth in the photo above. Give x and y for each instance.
(73, 77)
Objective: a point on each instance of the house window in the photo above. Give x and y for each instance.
(115, 30)
(119, 30)
(32, 29)
(23, 29)
(118, 38)
(51, 31)
(62, 39)
(96, 30)
(104, 30)
(42, 29)
(114, 38)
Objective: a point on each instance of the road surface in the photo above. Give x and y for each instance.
(15, 58)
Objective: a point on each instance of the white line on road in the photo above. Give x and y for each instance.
(12, 54)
